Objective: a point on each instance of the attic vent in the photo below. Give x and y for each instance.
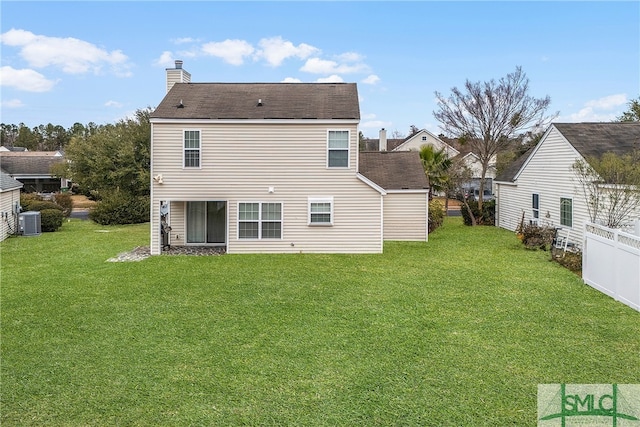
(181, 105)
(259, 102)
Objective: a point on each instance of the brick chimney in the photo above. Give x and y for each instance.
(177, 75)
(383, 140)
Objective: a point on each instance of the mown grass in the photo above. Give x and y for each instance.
(456, 331)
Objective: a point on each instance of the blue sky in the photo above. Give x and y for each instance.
(67, 62)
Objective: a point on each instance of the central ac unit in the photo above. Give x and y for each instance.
(29, 223)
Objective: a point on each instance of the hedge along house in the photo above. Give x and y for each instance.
(261, 168)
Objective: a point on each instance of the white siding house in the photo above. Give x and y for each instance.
(9, 203)
(541, 187)
(261, 168)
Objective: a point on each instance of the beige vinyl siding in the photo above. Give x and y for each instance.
(549, 174)
(8, 198)
(405, 216)
(240, 161)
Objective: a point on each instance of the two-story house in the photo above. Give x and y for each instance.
(265, 168)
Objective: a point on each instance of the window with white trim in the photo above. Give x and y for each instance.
(320, 210)
(191, 149)
(338, 149)
(566, 211)
(258, 220)
(535, 207)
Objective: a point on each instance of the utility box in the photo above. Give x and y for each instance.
(29, 223)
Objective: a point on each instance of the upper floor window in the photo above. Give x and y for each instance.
(566, 212)
(424, 138)
(191, 148)
(321, 211)
(259, 220)
(338, 149)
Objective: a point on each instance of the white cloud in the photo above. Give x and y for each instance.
(72, 55)
(604, 109)
(331, 79)
(371, 79)
(184, 40)
(25, 79)
(165, 60)
(291, 80)
(608, 102)
(375, 124)
(13, 103)
(350, 57)
(230, 51)
(275, 50)
(114, 104)
(324, 66)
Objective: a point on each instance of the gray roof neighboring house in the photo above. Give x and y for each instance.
(29, 163)
(7, 183)
(589, 139)
(394, 170)
(263, 101)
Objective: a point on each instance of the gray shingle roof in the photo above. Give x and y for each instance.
(590, 140)
(278, 101)
(595, 139)
(394, 170)
(8, 183)
(16, 164)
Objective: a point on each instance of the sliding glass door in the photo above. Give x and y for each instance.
(207, 222)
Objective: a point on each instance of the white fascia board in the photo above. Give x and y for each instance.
(407, 191)
(371, 184)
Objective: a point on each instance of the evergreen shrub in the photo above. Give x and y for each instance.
(436, 214)
(51, 219)
(119, 207)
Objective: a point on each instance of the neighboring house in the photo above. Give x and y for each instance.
(33, 169)
(424, 137)
(420, 138)
(9, 205)
(541, 187)
(263, 168)
(406, 203)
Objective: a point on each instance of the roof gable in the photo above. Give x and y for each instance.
(394, 170)
(8, 183)
(261, 101)
(587, 139)
(423, 132)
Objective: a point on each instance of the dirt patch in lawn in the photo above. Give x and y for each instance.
(81, 202)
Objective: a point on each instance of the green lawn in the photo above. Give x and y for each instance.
(456, 331)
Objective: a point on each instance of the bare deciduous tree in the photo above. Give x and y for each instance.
(488, 115)
(611, 187)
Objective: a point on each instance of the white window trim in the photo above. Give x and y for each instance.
(311, 200)
(341, 149)
(260, 221)
(572, 212)
(535, 210)
(184, 149)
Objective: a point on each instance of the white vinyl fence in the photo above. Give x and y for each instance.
(611, 263)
